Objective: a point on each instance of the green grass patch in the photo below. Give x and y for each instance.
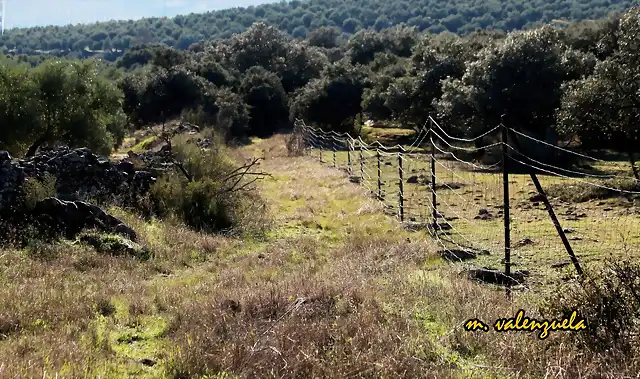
(144, 145)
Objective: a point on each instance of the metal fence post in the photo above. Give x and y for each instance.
(507, 229)
(361, 165)
(434, 200)
(379, 175)
(349, 168)
(333, 146)
(401, 188)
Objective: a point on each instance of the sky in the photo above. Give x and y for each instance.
(27, 13)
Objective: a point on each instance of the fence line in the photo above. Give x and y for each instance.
(347, 152)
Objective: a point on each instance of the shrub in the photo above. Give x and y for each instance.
(35, 190)
(195, 202)
(201, 191)
(609, 300)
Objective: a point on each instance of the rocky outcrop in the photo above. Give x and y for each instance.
(71, 217)
(79, 175)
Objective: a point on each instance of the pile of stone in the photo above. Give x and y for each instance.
(79, 176)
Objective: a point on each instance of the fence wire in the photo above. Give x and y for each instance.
(438, 184)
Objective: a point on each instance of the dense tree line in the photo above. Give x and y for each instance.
(298, 19)
(58, 101)
(580, 82)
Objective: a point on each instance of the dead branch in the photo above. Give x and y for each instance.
(246, 167)
(240, 173)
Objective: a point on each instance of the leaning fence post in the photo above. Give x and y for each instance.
(552, 214)
(379, 175)
(507, 230)
(400, 187)
(320, 147)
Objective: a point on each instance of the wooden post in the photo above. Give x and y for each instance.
(400, 188)
(379, 175)
(507, 229)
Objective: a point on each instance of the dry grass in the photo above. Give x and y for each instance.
(335, 289)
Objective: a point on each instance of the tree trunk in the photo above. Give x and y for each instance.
(636, 172)
(36, 144)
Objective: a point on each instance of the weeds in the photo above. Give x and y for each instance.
(609, 300)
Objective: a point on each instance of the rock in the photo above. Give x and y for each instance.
(79, 175)
(413, 179)
(483, 214)
(525, 242)
(491, 276)
(536, 198)
(71, 217)
(125, 230)
(148, 362)
(460, 255)
(568, 230)
(387, 163)
(448, 186)
(126, 166)
(5, 156)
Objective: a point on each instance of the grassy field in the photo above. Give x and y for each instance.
(335, 288)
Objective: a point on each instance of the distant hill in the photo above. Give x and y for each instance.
(299, 17)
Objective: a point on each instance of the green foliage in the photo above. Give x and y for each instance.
(332, 100)
(608, 121)
(115, 245)
(517, 82)
(160, 94)
(110, 39)
(410, 98)
(59, 101)
(202, 202)
(399, 68)
(325, 36)
(35, 190)
(267, 100)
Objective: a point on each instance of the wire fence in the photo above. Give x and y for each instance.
(493, 201)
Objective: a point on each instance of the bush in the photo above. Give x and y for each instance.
(609, 301)
(195, 202)
(581, 192)
(199, 192)
(35, 190)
